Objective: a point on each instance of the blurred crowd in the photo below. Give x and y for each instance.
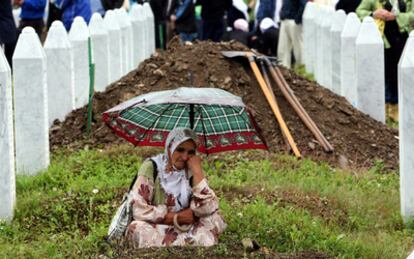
(273, 27)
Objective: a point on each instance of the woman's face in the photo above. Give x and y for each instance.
(182, 153)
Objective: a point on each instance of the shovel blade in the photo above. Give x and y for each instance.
(234, 54)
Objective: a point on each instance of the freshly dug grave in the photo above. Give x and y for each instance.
(358, 140)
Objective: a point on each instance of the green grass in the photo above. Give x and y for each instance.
(301, 70)
(285, 205)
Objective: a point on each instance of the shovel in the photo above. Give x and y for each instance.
(268, 94)
(294, 102)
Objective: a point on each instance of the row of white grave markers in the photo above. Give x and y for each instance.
(7, 163)
(344, 54)
(49, 82)
(358, 69)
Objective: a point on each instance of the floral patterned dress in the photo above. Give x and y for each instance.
(150, 206)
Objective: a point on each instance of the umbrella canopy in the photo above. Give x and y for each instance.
(220, 119)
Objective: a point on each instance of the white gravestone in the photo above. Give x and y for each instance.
(338, 22)
(114, 34)
(7, 162)
(60, 74)
(128, 21)
(370, 70)
(151, 28)
(326, 48)
(305, 23)
(406, 129)
(126, 34)
(100, 51)
(348, 50)
(309, 36)
(139, 41)
(319, 13)
(30, 104)
(78, 36)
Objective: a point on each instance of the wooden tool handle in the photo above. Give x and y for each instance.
(272, 102)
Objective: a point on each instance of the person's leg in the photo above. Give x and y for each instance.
(8, 52)
(218, 30)
(297, 42)
(142, 234)
(206, 29)
(37, 25)
(387, 75)
(284, 47)
(54, 14)
(391, 76)
(158, 34)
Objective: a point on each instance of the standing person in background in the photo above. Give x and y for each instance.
(212, 14)
(8, 33)
(347, 5)
(290, 35)
(162, 10)
(72, 8)
(265, 9)
(100, 6)
(32, 14)
(54, 14)
(395, 21)
(184, 20)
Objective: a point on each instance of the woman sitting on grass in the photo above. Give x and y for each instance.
(172, 202)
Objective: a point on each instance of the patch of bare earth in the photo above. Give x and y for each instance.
(358, 140)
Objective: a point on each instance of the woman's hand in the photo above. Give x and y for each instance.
(194, 164)
(384, 15)
(186, 217)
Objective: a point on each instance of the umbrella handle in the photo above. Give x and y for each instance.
(273, 104)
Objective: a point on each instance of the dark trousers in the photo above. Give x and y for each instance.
(8, 52)
(36, 24)
(213, 30)
(392, 56)
(54, 14)
(160, 35)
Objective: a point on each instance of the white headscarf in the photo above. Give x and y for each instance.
(175, 182)
(266, 23)
(241, 24)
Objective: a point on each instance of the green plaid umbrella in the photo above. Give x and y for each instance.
(220, 119)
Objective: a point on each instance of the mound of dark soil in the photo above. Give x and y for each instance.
(358, 140)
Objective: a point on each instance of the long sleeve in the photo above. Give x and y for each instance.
(365, 8)
(182, 8)
(142, 194)
(142, 208)
(204, 201)
(405, 20)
